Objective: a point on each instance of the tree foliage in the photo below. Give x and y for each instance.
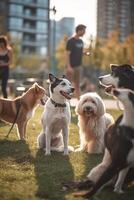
(103, 52)
(61, 53)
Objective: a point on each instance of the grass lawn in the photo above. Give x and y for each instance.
(27, 174)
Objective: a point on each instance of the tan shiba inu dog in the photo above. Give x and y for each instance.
(21, 109)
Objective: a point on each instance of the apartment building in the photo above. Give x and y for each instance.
(115, 15)
(27, 22)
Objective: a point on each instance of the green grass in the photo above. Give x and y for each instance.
(27, 174)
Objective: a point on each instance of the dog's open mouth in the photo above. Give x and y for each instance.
(66, 95)
(108, 88)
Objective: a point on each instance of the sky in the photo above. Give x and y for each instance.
(84, 12)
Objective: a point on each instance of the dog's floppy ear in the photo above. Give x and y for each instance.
(78, 107)
(101, 106)
(52, 78)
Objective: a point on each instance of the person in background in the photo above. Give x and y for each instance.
(74, 53)
(87, 86)
(5, 62)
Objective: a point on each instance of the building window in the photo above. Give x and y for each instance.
(15, 22)
(28, 50)
(42, 26)
(41, 38)
(42, 50)
(42, 13)
(16, 9)
(43, 2)
(16, 35)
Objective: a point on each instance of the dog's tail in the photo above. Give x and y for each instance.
(106, 176)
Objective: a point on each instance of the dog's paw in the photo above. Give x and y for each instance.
(65, 153)
(47, 153)
(78, 149)
(81, 194)
(118, 190)
(83, 184)
(70, 149)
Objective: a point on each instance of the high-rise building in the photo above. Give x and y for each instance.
(115, 15)
(65, 26)
(59, 29)
(26, 21)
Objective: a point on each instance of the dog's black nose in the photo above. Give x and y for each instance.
(72, 89)
(116, 92)
(89, 109)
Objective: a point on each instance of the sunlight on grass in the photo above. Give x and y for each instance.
(27, 174)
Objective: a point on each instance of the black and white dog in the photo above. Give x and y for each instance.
(56, 116)
(121, 76)
(122, 138)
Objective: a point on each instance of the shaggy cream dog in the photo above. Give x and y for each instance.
(93, 122)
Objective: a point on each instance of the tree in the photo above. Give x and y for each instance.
(128, 50)
(60, 53)
(111, 50)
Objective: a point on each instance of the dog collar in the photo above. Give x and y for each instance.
(58, 104)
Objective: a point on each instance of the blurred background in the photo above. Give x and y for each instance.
(38, 31)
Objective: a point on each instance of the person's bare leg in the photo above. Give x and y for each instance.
(77, 82)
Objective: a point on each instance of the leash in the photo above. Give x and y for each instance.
(18, 110)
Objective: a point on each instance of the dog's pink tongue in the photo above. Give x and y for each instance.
(67, 96)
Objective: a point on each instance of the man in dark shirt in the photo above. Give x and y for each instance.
(74, 52)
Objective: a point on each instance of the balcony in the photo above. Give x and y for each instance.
(33, 43)
(29, 17)
(31, 3)
(27, 30)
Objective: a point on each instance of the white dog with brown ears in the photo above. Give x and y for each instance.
(93, 122)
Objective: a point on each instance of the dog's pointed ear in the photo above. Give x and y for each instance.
(35, 84)
(36, 87)
(52, 78)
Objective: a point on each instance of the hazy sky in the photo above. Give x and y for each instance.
(84, 11)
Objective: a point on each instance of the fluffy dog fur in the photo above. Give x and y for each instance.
(93, 122)
(34, 96)
(56, 117)
(122, 135)
(121, 76)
